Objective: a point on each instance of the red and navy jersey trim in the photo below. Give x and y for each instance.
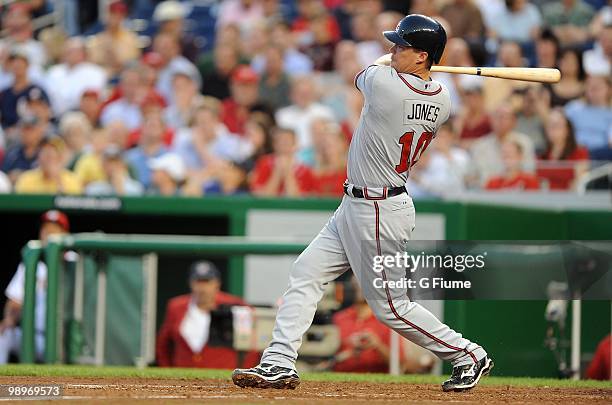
(424, 93)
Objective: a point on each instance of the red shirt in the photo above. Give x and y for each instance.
(561, 177)
(599, 368)
(481, 128)
(173, 351)
(330, 184)
(234, 116)
(300, 24)
(265, 166)
(522, 181)
(368, 360)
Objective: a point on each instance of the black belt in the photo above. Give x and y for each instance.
(359, 192)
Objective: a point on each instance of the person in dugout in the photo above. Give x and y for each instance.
(193, 333)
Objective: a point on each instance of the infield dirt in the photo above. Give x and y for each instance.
(154, 390)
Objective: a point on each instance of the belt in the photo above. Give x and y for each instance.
(387, 192)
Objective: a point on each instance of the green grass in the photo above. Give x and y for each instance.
(187, 373)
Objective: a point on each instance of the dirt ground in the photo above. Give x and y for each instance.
(79, 390)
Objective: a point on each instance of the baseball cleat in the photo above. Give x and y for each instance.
(467, 376)
(266, 376)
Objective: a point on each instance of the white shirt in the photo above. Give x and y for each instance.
(300, 120)
(16, 292)
(66, 85)
(121, 110)
(195, 327)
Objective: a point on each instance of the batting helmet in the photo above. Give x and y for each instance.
(421, 32)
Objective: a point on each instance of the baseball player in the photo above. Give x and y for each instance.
(402, 111)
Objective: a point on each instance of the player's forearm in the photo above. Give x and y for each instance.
(384, 60)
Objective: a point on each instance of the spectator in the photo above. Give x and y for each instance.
(18, 25)
(259, 142)
(295, 62)
(571, 85)
(274, 85)
(168, 47)
(519, 21)
(52, 223)
(187, 335)
(514, 176)
(22, 156)
(243, 13)
(126, 109)
(570, 20)
(440, 172)
(330, 163)
(50, 177)
(532, 108)
(321, 48)
(547, 49)
(304, 108)
(91, 105)
(561, 146)
(36, 103)
(207, 140)
(76, 132)
(592, 117)
(339, 91)
(597, 61)
(150, 145)
(67, 81)
(185, 99)
(89, 166)
(473, 121)
(486, 151)
(599, 368)
(254, 41)
(9, 98)
(168, 174)
(152, 104)
(498, 91)
(216, 79)
(115, 46)
(244, 95)
(465, 19)
(280, 173)
(308, 12)
(118, 181)
(366, 36)
(170, 15)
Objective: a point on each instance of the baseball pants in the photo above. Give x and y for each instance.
(359, 230)
(10, 342)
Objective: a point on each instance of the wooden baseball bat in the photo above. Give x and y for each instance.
(542, 75)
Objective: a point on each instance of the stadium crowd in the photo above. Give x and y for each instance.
(267, 105)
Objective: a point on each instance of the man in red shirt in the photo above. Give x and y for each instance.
(515, 177)
(600, 367)
(280, 173)
(186, 336)
(244, 89)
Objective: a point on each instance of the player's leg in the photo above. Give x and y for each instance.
(389, 229)
(10, 342)
(322, 261)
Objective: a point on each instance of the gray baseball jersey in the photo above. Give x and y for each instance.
(400, 117)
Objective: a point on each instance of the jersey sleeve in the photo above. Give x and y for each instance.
(364, 81)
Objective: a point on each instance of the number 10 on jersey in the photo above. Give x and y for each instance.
(409, 158)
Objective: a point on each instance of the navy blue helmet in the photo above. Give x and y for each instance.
(420, 32)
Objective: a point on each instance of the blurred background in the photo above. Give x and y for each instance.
(234, 117)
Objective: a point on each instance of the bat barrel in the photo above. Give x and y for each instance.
(542, 75)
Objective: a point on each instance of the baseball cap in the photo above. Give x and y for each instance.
(244, 75)
(153, 98)
(172, 164)
(204, 270)
(118, 6)
(57, 217)
(91, 93)
(36, 94)
(169, 10)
